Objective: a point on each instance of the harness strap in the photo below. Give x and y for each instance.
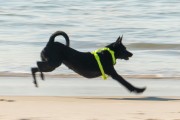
(104, 76)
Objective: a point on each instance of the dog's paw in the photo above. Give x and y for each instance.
(35, 83)
(139, 90)
(42, 76)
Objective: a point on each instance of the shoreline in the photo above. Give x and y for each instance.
(89, 108)
(74, 75)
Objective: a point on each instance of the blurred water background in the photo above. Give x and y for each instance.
(151, 31)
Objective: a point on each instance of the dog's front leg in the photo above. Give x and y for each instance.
(129, 86)
(121, 80)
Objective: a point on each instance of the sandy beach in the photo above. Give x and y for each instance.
(83, 99)
(89, 108)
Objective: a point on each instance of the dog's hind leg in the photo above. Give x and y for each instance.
(45, 67)
(34, 70)
(42, 67)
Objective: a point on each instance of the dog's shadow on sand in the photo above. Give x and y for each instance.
(152, 98)
(147, 99)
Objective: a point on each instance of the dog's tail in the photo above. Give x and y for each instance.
(52, 37)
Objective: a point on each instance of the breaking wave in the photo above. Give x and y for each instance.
(153, 46)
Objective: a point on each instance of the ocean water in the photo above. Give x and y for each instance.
(151, 31)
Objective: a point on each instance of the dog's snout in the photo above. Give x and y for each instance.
(130, 55)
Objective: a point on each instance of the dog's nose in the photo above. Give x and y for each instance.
(130, 54)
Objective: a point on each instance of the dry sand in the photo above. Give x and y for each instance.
(89, 108)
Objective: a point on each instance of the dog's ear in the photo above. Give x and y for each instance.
(119, 39)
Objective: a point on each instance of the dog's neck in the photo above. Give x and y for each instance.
(112, 48)
(104, 76)
(109, 50)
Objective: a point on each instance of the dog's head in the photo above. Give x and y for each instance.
(120, 50)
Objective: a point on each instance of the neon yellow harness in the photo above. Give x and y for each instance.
(104, 76)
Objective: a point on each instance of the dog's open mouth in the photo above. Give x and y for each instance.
(126, 58)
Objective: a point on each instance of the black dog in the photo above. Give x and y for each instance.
(83, 63)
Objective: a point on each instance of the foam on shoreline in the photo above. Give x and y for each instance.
(140, 76)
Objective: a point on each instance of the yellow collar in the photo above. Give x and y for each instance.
(104, 76)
